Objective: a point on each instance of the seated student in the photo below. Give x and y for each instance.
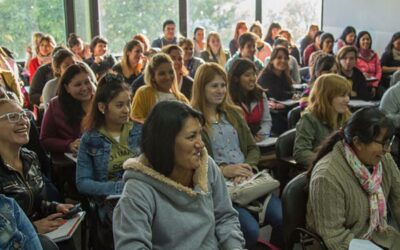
(311, 48)
(174, 183)
(325, 44)
(9, 76)
(100, 61)
(215, 51)
(168, 37)
(161, 85)
(229, 141)
(131, 65)
(198, 40)
(309, 38)
(348, 37)
(246, 93)
(33, 48)
(293, 50)
(241, 27)
(368, 61)
(43, 55)
(62, 59)
(264, 50)
(77, 46)
(16, 229)
(189, 60)
(281, 42)
(20, 176)
(353, 182)
(326, 63)
(109, 139)
(390, 103)
(390, 59)
(275, 76)
(247, 49)
(326, 112)
(346, 61)
(184, 81)
(273, 32)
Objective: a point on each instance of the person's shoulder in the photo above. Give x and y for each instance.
(29, 155)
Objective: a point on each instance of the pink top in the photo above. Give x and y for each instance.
(372, 68)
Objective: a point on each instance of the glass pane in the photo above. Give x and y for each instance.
(295, 15)
(82, 19)
(121, 20)
(220, 16)
(21, 18)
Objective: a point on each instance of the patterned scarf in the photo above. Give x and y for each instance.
(371, 183)
(366, 54)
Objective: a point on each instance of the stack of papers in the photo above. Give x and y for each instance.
(66, 231)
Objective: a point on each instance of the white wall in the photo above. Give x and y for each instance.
(380, 17)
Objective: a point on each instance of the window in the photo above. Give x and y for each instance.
(296, 15)
(220, 16)
(21, 18)
(121, 20)
(82, 20)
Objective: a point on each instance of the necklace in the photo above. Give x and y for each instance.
(214, 119)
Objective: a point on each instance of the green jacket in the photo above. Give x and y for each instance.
(310, 132)
(247, 144)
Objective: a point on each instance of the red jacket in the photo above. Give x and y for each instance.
(372, 68)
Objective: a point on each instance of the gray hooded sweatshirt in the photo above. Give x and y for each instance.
(155, 212)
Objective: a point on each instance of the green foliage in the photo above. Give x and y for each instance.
(21, 18)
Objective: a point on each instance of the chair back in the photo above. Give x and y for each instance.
(304, 74)
(284, 144)
(294, 116)
(294, 205)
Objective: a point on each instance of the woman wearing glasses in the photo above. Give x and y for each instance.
(353, 182)
(20, 176)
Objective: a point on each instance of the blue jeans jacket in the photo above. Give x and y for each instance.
(16, 230)
(92, 163)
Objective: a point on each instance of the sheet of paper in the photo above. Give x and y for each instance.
(358, 244)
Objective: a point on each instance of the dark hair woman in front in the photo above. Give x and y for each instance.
(390, 59)
(353, 182)
(174, 195)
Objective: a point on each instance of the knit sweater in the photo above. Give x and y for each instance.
(338, 207)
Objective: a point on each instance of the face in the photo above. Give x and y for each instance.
(365, 41)
(80, 87)
(187, 51)
(313, 31)
(327, 45)
(164, 77)
(118, 109)
(215, 91)
(281, 61)
(317, 41)
(78, 48)
(135, 55)
(340, 103)
(215, 43)
(169, 31)
(371, 154)
(45, 48)
(348, 61)
(66, 63)
(275, 32)
(285, 35)
(13, 133)
(188, 145)
(350, 38)
(100, 49)
(177, 58)
(247, 80)
(248, 50)
(199, 36)
(256, 30)
(396, 44)
(242, 29)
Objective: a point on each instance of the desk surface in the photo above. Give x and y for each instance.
(270, 141)
(362, 103)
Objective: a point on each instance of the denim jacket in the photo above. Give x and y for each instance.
(16, 230)
(92, 163)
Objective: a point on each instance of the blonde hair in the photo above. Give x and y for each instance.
(325, 89)
(221, 54)
(205, 74)
(153, 65)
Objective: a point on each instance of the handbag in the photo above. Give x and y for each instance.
(259, 185)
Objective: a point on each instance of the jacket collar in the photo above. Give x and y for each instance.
(200, 177)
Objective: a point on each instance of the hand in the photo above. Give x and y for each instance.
(29, 51)
(74, 146)
(353, 93)
(239, 179)
(86, 51)
(49, 224)
(259, 137)
(98, 59)
(240, 169)
(64, 208)
(276, 105)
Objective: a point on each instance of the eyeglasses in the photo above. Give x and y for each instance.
(15, 117)
(387, 144)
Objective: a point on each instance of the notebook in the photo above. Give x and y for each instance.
(67, 230)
